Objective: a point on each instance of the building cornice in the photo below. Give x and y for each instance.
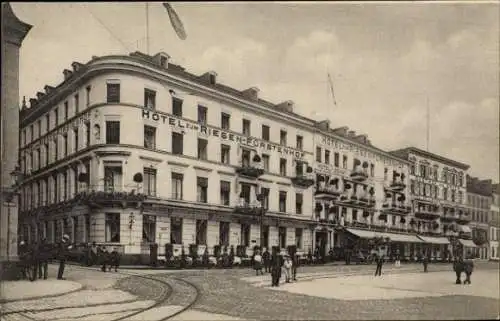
(435, 157)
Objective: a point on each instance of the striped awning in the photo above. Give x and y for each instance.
(364, 234)
(393, 237)
(434, 240)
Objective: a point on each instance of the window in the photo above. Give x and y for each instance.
(37, 157)
(412, 169)
(282, 166)
(66, 110)
(394, 220)
(87, 134)
(224, 233)
(112, 132)
(112, 176)
(75, 181)
(202, 115)
(47, 123)
(149, 183)
(77, 103)
(282, 202)
(245, 157)
(246, 127)
(265, 132)
(56, 189)
(201, 232)
(224, 121)
(372, 170)
(300, 142)
(65, 145)
(318, 154)
(87, 99)
(46, 148)
(177, 107)
(149, 99)
(225, 193)
(75, 140)
(177, 182)
(282, 237)
(39, 125)
(265, 161)
(113, 93)
(299, 169)
(224, 153)
(336, 159)
(245, 192)
(56, 117)
(32, 132)
(445, 193)
(163, 61)
(298, 238)
(265, 236)
(112, 232)
(149, 137)
(265, 197)
(149, 228)
(283, 137)
(202, 185)
(327, 156)
(245, 235)
(298, 203)
(344, 161)
(176, 230)
(56, 149)
(354, 215)
(202, 148)
(177, 143)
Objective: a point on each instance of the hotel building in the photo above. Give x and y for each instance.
(438, 196)
(134, 150)
(479, 202)
(494, 225)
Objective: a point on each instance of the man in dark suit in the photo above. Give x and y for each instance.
(44, 253)
(266, 257)
(276, 264)
(458, 267)
(64, 247)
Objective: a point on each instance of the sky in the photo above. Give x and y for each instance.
(388, 61)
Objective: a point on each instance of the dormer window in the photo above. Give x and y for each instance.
(211, 79)
(163, 61)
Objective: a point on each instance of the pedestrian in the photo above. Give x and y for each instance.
(257, 263)
(266, 257)
(380, 261)
(62, 254)
(458, 267)
(425, 261)
(93, 254)
(398, 260)
(24, 259)
(114, 261)
(295, 264)
(35, 261)
(44, 256)
(104, 258)
(287, 267)
(275, 268)
(468, 268)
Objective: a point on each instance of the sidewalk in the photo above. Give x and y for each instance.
(27, 290)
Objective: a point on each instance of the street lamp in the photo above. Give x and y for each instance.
(11, 192)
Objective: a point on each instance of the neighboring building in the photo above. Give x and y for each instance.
(13, 33)
(133, 150)
(479, 200)
(361, 189)
(494, 224)
(438, 193)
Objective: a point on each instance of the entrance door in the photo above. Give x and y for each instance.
(321, 241)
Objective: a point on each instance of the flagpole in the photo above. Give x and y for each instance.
(147, 27)
(428, 124)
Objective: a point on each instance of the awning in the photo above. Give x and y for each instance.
(405, 238)
(434, 240)
(467, 243)
(363, 233)
(464, 229)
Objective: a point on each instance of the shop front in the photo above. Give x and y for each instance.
(436, 247)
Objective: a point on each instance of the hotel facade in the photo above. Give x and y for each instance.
(133, 150)
(479, 204)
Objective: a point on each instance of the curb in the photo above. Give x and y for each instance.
(42, 296)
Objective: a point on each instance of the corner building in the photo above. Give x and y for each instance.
(133, 150)
(439, 197)
(361, 193)
(479, 204)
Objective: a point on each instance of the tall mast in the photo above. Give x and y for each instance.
(428, 125)
(147, 27)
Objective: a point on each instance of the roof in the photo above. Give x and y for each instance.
(404, 152)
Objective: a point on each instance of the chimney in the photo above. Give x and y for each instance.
(67, 73)
(362, 138)
(76, 66)
(286, 105)
(39, 95)
(94, 57)
(33, 102)
(209, 77)
(351, 134)
(251, 93)
(23, 106)
(324, 125)
(162, 59)
(48, 89)
(341, 130)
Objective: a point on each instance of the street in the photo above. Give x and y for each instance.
(322, 292)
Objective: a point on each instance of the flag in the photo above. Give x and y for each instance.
(331, 89)
(175, 21)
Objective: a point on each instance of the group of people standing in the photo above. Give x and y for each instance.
(277, 264)
(99, 254)
(461, 265)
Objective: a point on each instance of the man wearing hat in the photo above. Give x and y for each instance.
(63, 253)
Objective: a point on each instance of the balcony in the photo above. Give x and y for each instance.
(248, 208)
(252, 171)
(304, 181)
(427, 211)
(396, 208)
(110, 197)
(324, 191)
(359, 175)
(396, 186)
